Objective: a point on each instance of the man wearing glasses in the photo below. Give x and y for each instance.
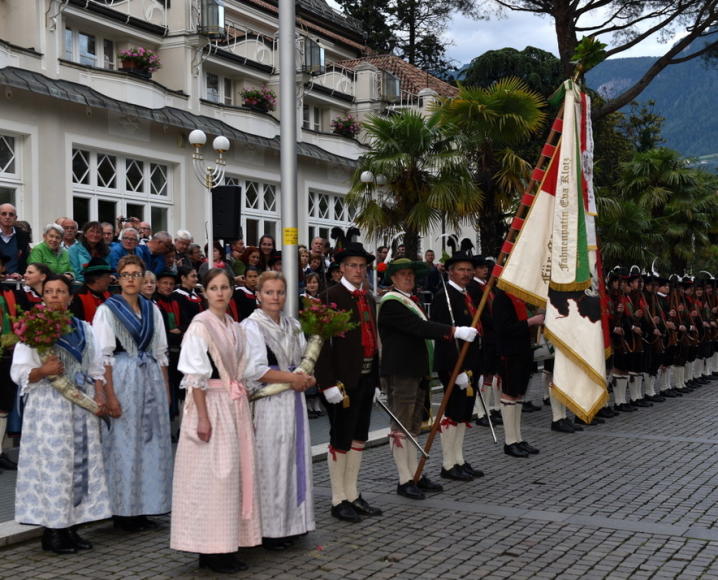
(14, 243)
(128, 244)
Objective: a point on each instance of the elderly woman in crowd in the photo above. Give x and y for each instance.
(91, 246)
(283, 447)
(128, 245)
(61, 477)
(131, 336)
(183, 240)
(50, 251)
(215, 505)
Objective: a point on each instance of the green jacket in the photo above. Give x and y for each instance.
(57, 262)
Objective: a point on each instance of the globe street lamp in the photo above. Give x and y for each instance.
(209, 177)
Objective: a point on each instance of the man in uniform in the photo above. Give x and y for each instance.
(98, 275)
(347, 373)
(407, 339)
(454, 306)
(513, 345)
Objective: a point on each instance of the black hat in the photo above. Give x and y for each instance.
(353, 250)
(167, 274)
(97, 266)
(478, 261)
(274, 258)
(332, 267)
(458, 257)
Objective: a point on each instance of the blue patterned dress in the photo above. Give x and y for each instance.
(61, 477)
(137, 449)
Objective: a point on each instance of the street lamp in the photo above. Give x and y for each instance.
(209, 177)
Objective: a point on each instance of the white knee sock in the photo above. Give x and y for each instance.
(508, 411)
(649, 384)
(620, 382)
(413, 459)
(663, 380)
(558, 409)
(351, 473)
(337, 463)
(448, 437)
(634, 387)
(459, 443)
(680, 376)
(496, 392)
(3, 429)
(400, 449)
(517, 420)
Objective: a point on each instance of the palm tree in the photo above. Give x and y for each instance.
(426, 179)
(489, 124)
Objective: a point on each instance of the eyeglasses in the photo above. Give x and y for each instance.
(132, 275)
(8, 213)
(130, 239)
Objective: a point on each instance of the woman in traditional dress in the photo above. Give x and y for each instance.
(31, 292)
(215, 505)
(190, 303)
(61, 476)
(138, 454)
(283, 448)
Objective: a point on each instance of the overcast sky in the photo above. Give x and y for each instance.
(468, 39)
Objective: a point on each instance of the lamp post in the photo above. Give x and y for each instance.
(209, 177)
(373, 182)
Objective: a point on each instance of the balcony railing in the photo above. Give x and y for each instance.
(153, 12)
(336, 78)
(249, 44)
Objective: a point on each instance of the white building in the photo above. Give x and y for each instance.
(81, 137)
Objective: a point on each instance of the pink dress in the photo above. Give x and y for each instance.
(215, 505)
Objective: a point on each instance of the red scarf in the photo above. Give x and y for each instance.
(366, 321)
(519, 307)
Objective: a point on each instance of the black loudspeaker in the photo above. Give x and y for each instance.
(227, 212)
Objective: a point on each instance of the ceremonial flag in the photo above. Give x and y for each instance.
(553, 262)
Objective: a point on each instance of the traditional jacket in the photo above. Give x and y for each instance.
(85, 303)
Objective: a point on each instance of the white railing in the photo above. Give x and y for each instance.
(248, 44)
(146, 10)
(336, 78)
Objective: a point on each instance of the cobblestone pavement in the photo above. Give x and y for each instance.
(633, 498)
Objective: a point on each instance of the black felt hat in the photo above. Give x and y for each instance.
(458, 257)
(353, 250)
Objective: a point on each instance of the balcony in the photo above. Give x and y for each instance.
(337, 81)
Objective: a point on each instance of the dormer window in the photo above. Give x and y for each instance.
(391, 88)
(313, 57)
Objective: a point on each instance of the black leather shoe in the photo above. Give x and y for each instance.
(670, 393)
(363, 508)
(529, 407)
(144, 523)
(642, 403)
(345, 511)
(655, 398)
(482, 421)
(606, 413)
(58, 540)
(79, 542)
(515, 451)
(426, 484)
(455, 473)
(528, 448)
(576, 426)
(7, 463)
(562, 426)
(221, 563)
(496, 418)
(626, 408)
(275, 544)
(471, 471)
(125, 523)
(410, 490)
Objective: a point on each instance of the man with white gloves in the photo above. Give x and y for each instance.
(454, 306)
(407, 357)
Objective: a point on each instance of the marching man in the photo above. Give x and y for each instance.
(407, 339)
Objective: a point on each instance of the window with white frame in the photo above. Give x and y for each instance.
(107, 185)
(89, 49)
(260, 209)
(10, 180)
(219, 89)
(312, 117)
(325, 211)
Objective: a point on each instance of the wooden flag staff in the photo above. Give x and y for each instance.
(529, 194)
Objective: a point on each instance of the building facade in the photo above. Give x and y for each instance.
(81, 136)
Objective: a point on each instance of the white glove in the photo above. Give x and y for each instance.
(467, 333)
(462, 381)
(377, 394)
(333, 395)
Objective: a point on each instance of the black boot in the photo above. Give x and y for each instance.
(79, 542)
(58, 540)
(221, 563)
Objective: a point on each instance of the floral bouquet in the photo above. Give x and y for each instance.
(346, 125)
(321, 322)
(41, 328)
(143, 58)
(262, 98)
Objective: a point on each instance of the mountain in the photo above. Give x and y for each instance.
(685, 94)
